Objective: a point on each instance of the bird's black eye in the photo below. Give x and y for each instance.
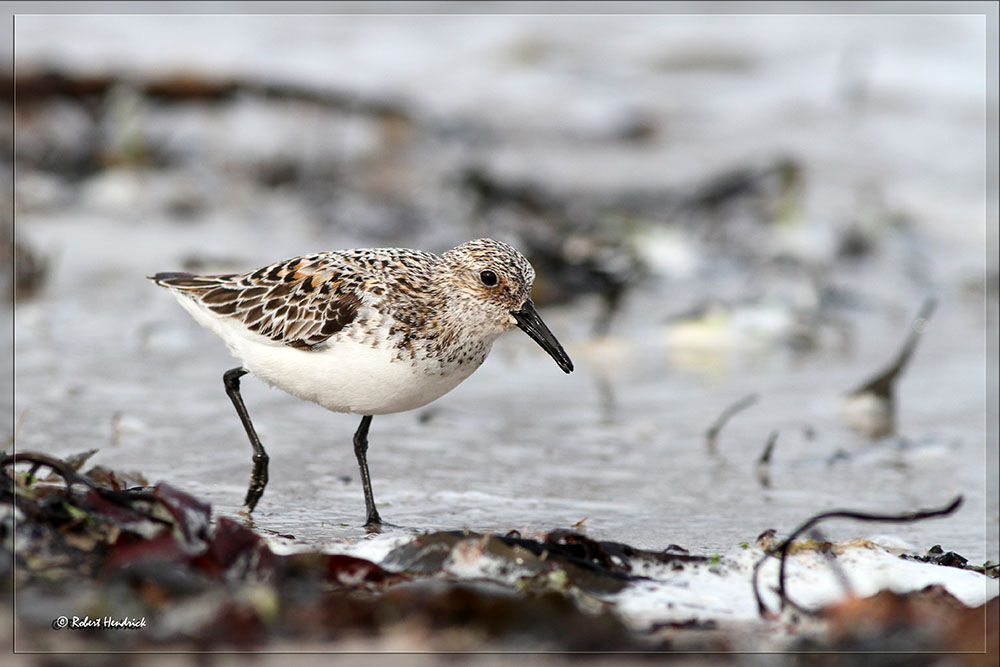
(489, 278)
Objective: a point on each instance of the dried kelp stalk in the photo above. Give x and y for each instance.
(70, 477)
(712, 433)
(871, 408)
(43, 86)
(764, 462)
(781, 552)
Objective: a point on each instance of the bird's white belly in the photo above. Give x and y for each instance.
(348, 376)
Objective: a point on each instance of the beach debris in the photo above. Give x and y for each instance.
(712, 433)
(207, 584)
(43, 85)
(939, 556)
(92, 547)
(763, 468)
(782, 550)
(25, 270)
(930, 619)
(871, 408)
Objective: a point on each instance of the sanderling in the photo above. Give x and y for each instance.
(370, 331)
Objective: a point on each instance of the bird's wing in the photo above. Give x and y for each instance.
(299, 302)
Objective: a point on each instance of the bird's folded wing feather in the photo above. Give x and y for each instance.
(298, 302)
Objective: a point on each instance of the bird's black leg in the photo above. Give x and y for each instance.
(361, 451)
(258, 478)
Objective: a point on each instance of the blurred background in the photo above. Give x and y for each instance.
(717, 206)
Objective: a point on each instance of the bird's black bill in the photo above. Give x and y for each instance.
(530, 323)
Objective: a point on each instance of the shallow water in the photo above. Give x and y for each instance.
(104, 359)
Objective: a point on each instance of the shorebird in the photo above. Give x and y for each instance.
(370, 331)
